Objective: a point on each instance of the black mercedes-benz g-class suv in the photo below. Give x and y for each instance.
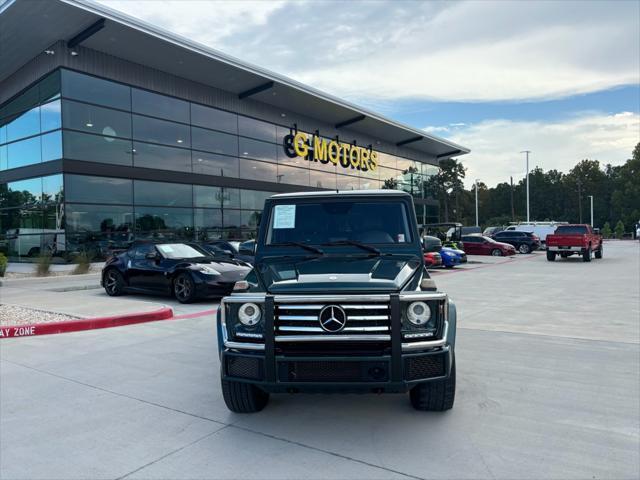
(338, 301)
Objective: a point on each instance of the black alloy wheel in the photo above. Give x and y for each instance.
(586, 255)
(598, 253)
(184, 288)
(113, 283)
(524, 248)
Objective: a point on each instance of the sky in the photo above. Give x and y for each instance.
(558, 78)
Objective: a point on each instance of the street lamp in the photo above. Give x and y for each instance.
(527, 152)
(591, 198)
(477, 222)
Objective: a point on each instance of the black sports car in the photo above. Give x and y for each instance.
(180, 269)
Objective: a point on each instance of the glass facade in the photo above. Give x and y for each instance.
(80, 117)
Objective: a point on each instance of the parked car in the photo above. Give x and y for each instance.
(432, 259)
(489, 231)
(481, 245)
(470, 230)
(540, 229)
(524, 242)
(574, 240)
(449, 258)
(179, 269)
(462, 256)
(231, 249)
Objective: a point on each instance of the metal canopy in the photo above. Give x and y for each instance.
(28, 27)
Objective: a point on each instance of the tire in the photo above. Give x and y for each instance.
(436, 396)
(586, 255)
(598, 253)
(496, 252)
(243, 397)
(184, 288)
(33, 252)
(524, 248)
(113, 283)
(551, 256)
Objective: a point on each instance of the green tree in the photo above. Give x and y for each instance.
(606, 230)
(619, 229)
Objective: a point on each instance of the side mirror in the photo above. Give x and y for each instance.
(427, 284)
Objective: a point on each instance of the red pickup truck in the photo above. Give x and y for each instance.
(574, 239)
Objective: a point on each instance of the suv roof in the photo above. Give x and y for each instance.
(335, 193)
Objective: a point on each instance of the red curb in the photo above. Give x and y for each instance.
(164, 313)
(195, 315)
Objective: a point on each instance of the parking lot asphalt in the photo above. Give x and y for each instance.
(548, 360)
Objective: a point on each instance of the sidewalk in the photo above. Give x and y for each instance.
(26, 269)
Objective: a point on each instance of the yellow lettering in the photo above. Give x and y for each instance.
(344, 159)
(364, 159)
(320, 149)
(373, 161)
(355, 157)
(300, 145)
(334, 152)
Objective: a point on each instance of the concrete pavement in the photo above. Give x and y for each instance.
(547, 388)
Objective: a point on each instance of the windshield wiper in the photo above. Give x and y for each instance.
(299, 244)
(363, 246)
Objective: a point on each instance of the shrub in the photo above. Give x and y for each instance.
(606, 230)
(3, 264)
(619, 229)
(83, 263)
(43, 265)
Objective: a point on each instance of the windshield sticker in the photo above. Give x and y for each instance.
(284, 216)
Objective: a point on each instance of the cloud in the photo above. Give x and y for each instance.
(462, 51)
(496, 144)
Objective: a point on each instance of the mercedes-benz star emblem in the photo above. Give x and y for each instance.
(332, 318)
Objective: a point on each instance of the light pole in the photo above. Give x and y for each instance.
(591, 198)
(477, 222)
(527, 152)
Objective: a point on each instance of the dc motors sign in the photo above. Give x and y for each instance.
(317, 149)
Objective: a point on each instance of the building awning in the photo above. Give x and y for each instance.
(28, 27)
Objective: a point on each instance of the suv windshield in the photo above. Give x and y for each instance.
(339, 222)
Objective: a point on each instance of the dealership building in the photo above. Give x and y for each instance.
(112, 130)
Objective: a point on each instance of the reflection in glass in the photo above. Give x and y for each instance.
(253, 199)
(24, 125)
(23, 193)
(50, 117)
(165, 158)
(345, 182)
(214, 119)
(161, 131)
(216, 197)
(83, 188)
(323, 179)
(158, 105)
(94, 148)
(95, 90)
(99, 120)
(250, 219)
(163, 194)
(293, 175)
(254, 170)
(164, 223)
(51, 146)
(212, 164)
(50, 87)
(24, 152)
(214, 142)
(3, 157)
(207, 223)
(25, 101)
(257, 150)
(250, 127)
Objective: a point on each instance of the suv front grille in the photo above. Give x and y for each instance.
(368, 321)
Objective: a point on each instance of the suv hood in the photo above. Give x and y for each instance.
(343, 274)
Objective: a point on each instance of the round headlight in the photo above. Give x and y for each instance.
(249, 314)
(418, 313)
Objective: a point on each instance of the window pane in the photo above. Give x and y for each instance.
(50, 118)
(293, 175)
(323, 179)
(164, 223)
(25, 101)
(165, 158)
(369, 184)
(3, 157)
(254, 199)
(215, 197)
(214, 119)
(95, 90)
(250, 219)
(254, 170)
(159, 105)
(257, 150)
(347, 183)
(386, 160)
(212, 164)
(104, 121)
(50, 87)
(51, 146)
(94, 148)
(24, 193)
(208, 223)
(52, 190)
(81, 188)
(161, 193)
(215, 142)
(25, 152)
(390, 178)
(160, 131)
(24, 125)
(250, 127)
(98, 218)
(3, 131)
